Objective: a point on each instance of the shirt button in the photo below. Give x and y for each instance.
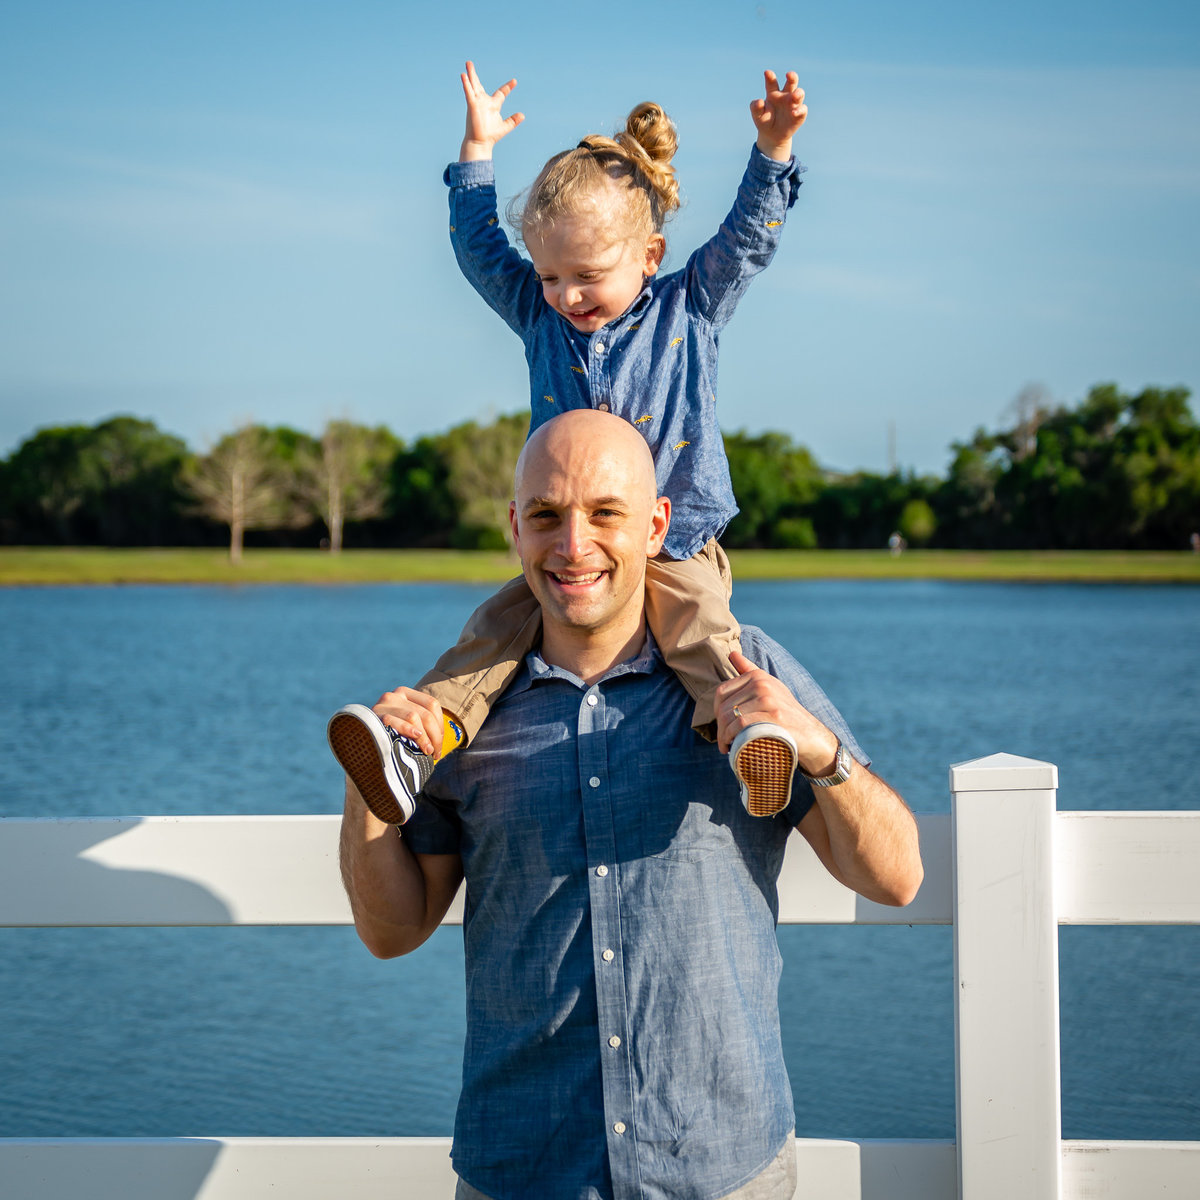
(599, 347)
(614, 1041)
(602, 870)
(591, 701)
(602, 407)
(608, 956)
(594, 781)
(619, 1127)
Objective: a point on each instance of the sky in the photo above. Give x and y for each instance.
(230, 211)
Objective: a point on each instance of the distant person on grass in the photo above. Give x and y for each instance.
(622, 971)
(605, 330)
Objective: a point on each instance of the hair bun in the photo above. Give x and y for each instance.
(653, 130)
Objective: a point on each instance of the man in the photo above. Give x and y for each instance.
(622, 967)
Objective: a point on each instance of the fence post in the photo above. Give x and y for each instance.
(1006, 979)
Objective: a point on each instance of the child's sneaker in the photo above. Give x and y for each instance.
(388, 769)
(763, 757)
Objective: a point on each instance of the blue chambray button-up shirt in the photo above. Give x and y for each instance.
(656, 365)
(623, 1037)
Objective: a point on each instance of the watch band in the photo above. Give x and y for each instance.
(842, 767)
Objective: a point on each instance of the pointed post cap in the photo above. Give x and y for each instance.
(1003, 773)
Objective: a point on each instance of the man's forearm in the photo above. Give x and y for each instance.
(394, 905)
(870, 838)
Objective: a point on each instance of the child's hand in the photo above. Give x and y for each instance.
(485, 125)
(779, 116)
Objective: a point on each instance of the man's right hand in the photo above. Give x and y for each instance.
(485, 125)
(416, 715)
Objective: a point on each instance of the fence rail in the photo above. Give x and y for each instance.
(1004, 868)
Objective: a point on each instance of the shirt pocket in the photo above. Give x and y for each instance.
(686, 794)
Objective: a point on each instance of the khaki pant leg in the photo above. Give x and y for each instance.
(687, 607)
(468, 678)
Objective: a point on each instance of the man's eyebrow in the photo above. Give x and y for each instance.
(599, 502)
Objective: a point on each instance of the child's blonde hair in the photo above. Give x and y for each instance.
(637, 161)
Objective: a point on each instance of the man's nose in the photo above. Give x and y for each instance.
(575, 537)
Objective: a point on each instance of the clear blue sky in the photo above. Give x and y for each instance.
(221, 211)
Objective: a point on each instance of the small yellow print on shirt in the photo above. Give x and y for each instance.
(676, 343)
(774, 224)
(580, 370)
(491, 220)
(637, 326)
(453, 228)
(548, 399)
(643, 420)
(680, 445)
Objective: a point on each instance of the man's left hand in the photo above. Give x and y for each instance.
(756, 695)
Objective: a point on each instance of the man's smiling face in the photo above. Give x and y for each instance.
(585, 519)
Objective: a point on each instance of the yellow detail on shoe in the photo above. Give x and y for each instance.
(765, 766)
(676, 343)
(680, 445)
(548, 399)
(643, 420)
(578, 370)
(774, 224)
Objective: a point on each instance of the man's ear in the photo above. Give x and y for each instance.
(656, 247)
(512, 524)
(660, 521)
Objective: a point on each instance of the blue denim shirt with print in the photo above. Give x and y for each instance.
(622, 969)
(656, 365)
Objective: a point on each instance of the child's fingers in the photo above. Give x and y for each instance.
(504, 89)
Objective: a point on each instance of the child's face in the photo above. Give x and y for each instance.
(588, 275)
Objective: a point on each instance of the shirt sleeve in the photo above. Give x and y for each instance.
(719, 272)
(433, 828)
(491, 265)
(767, 653)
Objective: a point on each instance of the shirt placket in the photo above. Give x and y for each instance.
(600, 350)
(604, 878)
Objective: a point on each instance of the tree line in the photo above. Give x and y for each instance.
(1116, 471)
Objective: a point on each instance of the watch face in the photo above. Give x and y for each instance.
(843, 768)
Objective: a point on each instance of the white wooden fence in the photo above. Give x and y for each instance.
(1004, 868)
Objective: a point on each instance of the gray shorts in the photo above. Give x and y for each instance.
(777, 1182)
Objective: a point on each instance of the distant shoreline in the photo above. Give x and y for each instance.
(62, 566)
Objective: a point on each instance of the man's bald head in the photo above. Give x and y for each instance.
(582, 436)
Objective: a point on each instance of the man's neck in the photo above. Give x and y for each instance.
(588, 655)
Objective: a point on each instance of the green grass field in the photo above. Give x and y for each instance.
(32, 566)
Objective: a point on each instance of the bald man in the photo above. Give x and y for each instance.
(622, 968)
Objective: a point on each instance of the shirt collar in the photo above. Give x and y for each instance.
(537, 670)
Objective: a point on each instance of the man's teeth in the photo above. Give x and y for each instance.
(591, 577)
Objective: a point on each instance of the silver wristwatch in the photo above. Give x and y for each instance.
(842, 767)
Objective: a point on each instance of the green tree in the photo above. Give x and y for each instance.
(480, 462)
(116, 483)
(775, 481)
(862, 510)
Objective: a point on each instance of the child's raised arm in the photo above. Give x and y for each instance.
(779, 116)
(485, 125)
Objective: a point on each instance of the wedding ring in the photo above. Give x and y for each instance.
(737, 712)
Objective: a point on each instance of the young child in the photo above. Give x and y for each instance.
(604, 329)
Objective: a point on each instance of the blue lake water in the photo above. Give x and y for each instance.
(207, 700)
